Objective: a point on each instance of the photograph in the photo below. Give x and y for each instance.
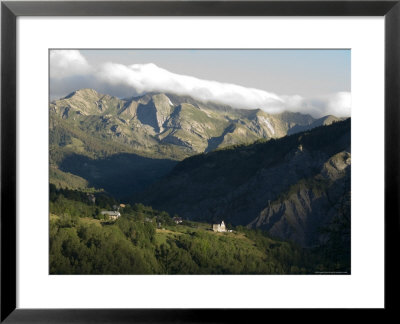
(199, 161)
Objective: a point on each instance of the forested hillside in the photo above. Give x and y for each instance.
(147, 241)
(292, 187)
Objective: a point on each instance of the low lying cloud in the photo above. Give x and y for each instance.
(65, 63)
(68, 68)
(337, 104)
(149, 77)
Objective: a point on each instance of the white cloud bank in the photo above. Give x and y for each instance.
(138, 79)
(65, 63)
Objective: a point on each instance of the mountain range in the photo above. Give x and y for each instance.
(287, 173)
(170, 126)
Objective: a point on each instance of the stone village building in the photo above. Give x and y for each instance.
(177, 220)
(113, 215)
(219, 227)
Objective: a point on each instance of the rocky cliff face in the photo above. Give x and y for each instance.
(181, 124)
(290, 186)
(301, 213)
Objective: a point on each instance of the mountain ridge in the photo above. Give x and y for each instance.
(155, 127)
(180, 121)
(238, 184)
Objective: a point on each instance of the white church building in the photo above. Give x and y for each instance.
(219, 227)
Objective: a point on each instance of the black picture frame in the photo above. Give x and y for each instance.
(11, 10)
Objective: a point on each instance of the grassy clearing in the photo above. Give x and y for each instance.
(66, 180)
(76, 145)
(89, 221)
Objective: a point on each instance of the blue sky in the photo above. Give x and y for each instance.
(302, 72)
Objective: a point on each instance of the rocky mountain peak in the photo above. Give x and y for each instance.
(179, 122)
